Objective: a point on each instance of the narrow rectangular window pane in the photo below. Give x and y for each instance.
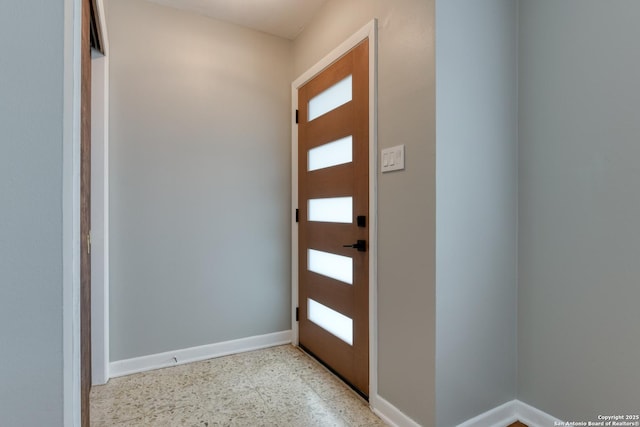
(336, 209)
(336, 323)
(337, 95)
(331, 265)
(331, 154)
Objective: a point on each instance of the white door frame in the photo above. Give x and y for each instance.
(369, 31)
(71, 214)
(71, 211)
(100, 208)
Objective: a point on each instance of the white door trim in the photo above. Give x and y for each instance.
(71, 214)
(369, 31)
(100, 209)
(71, 210)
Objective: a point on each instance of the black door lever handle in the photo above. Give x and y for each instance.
(360, 245)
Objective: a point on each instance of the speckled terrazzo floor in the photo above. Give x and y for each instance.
(279, 386)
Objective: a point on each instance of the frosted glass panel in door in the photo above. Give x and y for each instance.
(335, 209)
(337, 95)
(332, 154)
(336, 323)
(331, 265)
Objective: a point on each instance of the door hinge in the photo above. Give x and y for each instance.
(297, 114)
(297, 215)
(89, 243)
(297, 314)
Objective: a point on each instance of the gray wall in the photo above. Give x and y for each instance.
(200, 181)
(406, 204)
(579, 241)
(31, 117)
(476, 174)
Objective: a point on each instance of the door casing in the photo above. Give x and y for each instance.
(71, 211)
(368, 31)
(100, 208)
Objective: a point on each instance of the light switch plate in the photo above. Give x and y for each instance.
(392, 159)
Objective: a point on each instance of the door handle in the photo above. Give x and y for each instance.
(360, 245)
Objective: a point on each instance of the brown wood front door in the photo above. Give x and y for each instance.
(333, 197)
(85, 216)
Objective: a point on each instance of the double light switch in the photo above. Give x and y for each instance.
(392, 159)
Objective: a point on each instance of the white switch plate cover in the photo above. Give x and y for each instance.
(392, 159)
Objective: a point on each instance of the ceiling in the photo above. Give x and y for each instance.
(283, 18)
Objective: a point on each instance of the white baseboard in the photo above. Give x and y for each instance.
(500, 416)
(195, 354)
(534, 417)
(390, 414)
(509, 413)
